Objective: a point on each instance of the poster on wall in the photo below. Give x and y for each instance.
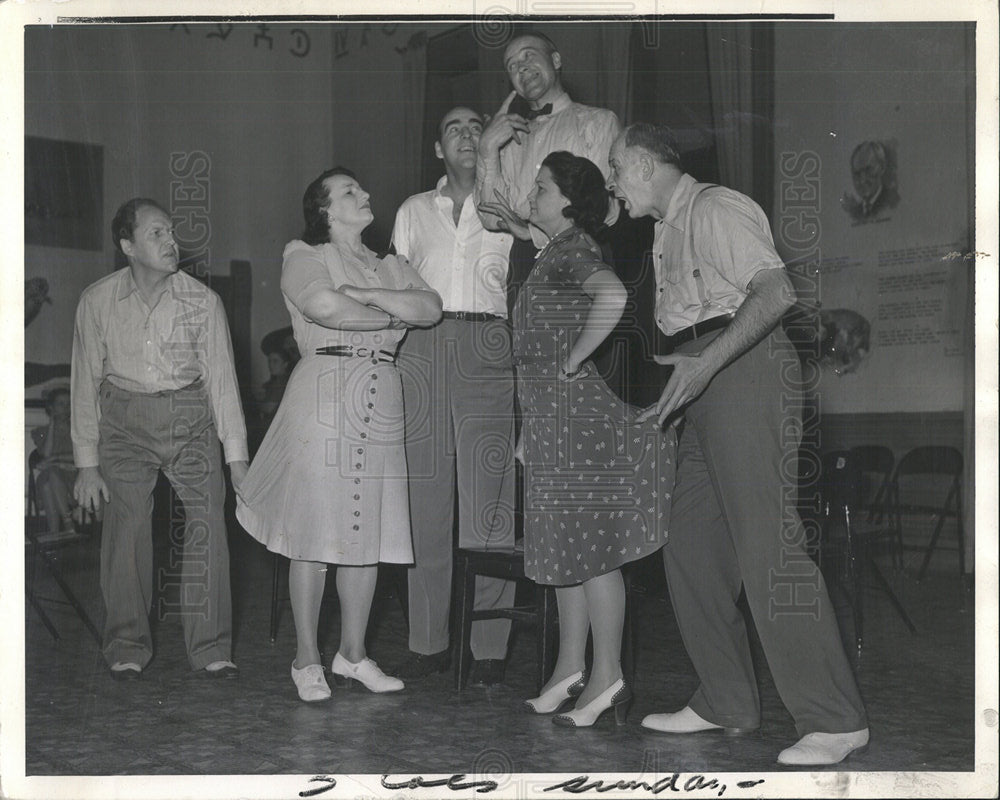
(63, 193)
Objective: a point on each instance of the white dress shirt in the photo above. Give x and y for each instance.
(464, 263)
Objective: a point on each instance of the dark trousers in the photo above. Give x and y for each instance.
(139, 436)
(735, 524)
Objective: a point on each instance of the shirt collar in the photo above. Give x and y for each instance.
(561, 103)
(444, 202)
(439, 188)
(126, 285)
(677, 207)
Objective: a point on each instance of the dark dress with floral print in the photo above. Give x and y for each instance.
(596, 484)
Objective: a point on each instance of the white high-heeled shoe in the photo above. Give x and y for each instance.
(365, 672)
(617, 696)
(311, 684)
(557, 695)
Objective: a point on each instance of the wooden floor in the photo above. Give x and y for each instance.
(918, 689)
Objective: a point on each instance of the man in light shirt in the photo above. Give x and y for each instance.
(458, 394)
(721, 292)
(154, 389)
(537, 118)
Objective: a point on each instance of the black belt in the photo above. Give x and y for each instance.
(698, 329)
(350, 351)
(471, 316)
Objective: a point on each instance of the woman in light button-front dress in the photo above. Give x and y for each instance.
(328, 484)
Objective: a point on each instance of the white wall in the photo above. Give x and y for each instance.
(261, 115)
(836, 86)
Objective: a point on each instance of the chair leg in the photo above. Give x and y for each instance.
(960, 531)
(547, 631)
(952, 497)
(628, 639)
(463, 656)
(930, 548)
(402, 588)
(855, 574)
(33, 602)
(884, 584)
(81, 612)
(275, 570)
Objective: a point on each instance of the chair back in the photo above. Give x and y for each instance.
(931, 460)
(840, 482)
(875, 463)
(928, 481)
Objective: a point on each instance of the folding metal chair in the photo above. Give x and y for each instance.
(840, 483)
(930, 461)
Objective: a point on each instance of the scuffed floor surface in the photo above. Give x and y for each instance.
(918, 689)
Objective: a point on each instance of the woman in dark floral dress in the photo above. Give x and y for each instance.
(597, 484)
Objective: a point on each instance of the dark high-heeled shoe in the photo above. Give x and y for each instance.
(554, 698)
(617, 696)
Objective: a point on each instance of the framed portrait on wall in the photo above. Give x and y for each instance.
(63, 193)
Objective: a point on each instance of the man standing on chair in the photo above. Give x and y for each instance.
(458, 394)
(154, 389)
(721, 292)
(537, 118)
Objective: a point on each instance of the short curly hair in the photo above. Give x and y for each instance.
(315, 202)
(123, 225)
(581, 182)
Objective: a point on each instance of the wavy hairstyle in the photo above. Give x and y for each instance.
(581, 182)
(315, 202)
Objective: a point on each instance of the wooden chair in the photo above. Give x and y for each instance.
(542, 614)
(505, 563)
(929, 462)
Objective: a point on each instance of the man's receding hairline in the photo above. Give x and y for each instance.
(547, 44)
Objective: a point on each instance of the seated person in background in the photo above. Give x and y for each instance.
(56, 471)
(282, 356)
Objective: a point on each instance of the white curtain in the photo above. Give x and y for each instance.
(730, 62)
(414, 56)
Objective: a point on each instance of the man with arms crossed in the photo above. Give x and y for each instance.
(458, 394)
(153, 388)
(721, 292)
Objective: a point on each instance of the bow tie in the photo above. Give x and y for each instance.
(531, 113)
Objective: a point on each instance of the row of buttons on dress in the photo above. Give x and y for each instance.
(360, 451)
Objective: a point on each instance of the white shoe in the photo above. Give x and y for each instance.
(310, 682)
(818, 749)
(557, 695)
(366, 673)
(686, 721)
